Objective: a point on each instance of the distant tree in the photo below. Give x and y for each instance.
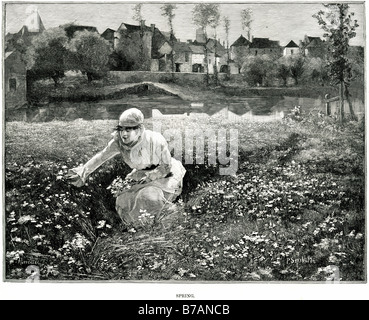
(246, 20)
(339, 28)
(46, 57)
(89, 54)
(317, 71)
(227, 25)
(206, 15)
(127, 50)
(214, 25)
(168, 12)
(283, 70)
(241, 55)
(258, 70)
(137, 16)
(296, 64)
(356, 58)
(137, 12)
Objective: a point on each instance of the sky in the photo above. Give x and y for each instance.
(279, 21)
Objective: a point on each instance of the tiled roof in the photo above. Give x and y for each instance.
(241, 42)
(133, 28)
(71, 29)
(197, 49)
(313, 38)
(167, 36)
(182, 47)
(261, 43)
(108, 34)
(314, 43)
(219, 48)
(291, 44)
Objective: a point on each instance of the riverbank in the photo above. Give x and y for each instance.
(77, 89)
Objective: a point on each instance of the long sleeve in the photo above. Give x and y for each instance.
(110, 151)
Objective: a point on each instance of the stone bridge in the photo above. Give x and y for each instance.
(115, 91)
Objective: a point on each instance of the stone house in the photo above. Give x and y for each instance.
(15, 71)
(291, 49)
(32, 27)
(197, 58)
(156, 44)
(183, 57)
(238, 51)
(15, 80)
(241, 44)
(260, 46)
(313, 47)
(216, 53)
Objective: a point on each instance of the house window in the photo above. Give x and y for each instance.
(187, 58)
(256, 52)
(12, 84)
(291, 51)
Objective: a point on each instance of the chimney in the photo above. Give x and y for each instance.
(142, 23)
(200, 36)
(252, 38)
(152, 27)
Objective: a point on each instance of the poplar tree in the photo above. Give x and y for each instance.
(339, 28)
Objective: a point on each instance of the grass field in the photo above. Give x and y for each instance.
(295, 208)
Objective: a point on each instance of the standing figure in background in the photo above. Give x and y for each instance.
(156, 178)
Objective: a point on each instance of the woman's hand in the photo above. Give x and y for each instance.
(136, 175)
(74, 178)
(143, 180)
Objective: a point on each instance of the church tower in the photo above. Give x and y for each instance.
(34, 22)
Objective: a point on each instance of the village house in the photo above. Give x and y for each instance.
(155, 43)
(215, 51)
(182, 57)
(33, 26)
(241, 44)
(291, 49)
(15, 72)
(238, 49)
(260, 46)
(15, 85)
(219, 53)
(197, 58)
(313, 47)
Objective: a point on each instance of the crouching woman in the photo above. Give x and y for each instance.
(156, 178)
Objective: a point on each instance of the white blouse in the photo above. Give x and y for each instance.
(150, 153)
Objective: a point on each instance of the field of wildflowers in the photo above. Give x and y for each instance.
(295, 208)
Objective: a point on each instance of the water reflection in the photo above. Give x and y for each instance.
(156, 106)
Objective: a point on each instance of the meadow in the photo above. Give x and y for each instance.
(295, 208)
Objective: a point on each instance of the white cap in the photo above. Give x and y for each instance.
(131, 118)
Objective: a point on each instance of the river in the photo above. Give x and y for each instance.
(161, 105)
